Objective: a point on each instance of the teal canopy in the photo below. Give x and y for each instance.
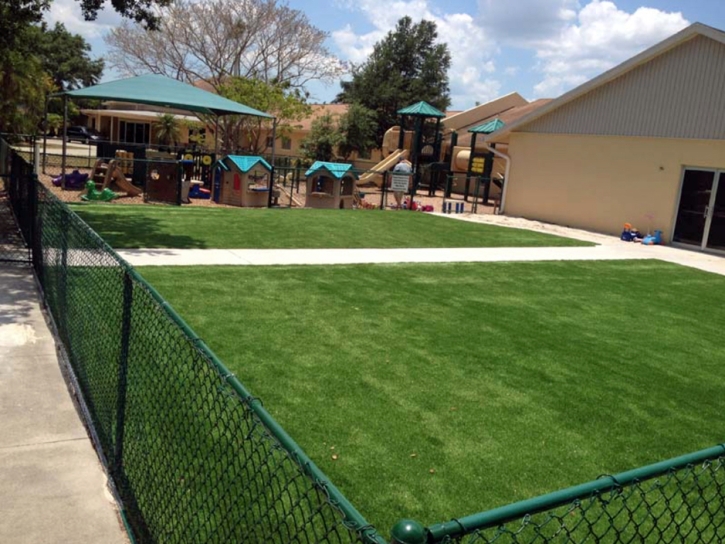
(335, 169)
(157, 90)
(245, 163)
(422, 109)
(489, 127)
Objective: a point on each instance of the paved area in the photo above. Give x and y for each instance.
(609, 248)
(52, 487)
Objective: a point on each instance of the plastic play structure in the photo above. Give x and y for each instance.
(243, 181)
(106, 195)
(74, 180)
(110, 174)
(330, 186)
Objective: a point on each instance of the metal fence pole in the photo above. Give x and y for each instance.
(123, 376)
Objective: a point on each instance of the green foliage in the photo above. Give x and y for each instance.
(407, 66)
(357, 127)
(323, 139)
(140, 11)
(65, 57)
(167, 129)
(280, 100)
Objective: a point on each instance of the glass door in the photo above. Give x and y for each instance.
(716, 232)
(694, 208)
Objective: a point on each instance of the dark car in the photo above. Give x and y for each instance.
(85, 135)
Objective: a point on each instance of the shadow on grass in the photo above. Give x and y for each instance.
(133, 231)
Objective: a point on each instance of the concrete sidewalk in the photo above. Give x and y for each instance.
(262, 257)
(52, 486)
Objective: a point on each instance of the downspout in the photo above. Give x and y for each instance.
(505, 157)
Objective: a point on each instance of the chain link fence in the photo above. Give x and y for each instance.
(679, 500)
(194, 457)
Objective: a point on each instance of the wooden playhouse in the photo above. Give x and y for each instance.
(244, 181)
(330, 185)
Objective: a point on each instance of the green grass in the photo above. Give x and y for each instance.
(508, 380)
(169, 227)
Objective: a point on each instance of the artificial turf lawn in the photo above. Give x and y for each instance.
(508, 380)
(224, 228)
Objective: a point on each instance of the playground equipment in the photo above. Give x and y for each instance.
(244, 181)
(108, 174)
(377, 174)
(74, 180)
(91, 193)
(330, 186)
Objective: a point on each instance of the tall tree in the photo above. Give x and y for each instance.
(211, 40)
(279, 100)
(323, 139)
(357, 128)
(406, 66)
(66, 57)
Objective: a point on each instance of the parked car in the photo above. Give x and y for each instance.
(85, 135)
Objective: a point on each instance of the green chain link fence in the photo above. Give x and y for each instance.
(194, 457)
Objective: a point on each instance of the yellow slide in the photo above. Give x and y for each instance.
(375, 176)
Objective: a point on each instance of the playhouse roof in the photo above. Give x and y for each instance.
(336, 169)
(246, 162)
(158, 90)
(489, 127)
(422, 109)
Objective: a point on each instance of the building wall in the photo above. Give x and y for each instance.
(679, 94)
(600, 182)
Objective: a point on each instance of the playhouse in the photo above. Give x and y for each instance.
(244, 181)
(330, 185)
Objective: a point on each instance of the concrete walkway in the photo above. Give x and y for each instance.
(52, 487)
(609, 248)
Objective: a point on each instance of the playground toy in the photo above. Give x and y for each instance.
(107, 174)
(91, 193)
(244, 181)
(74, 180)
(331, 186)
(448, 207)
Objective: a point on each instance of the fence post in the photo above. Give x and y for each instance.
(34, 227)
(122, 376)
(408, 531)
(63, 279)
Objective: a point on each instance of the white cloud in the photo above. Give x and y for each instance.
(523, 22)
(601, 37)
(471, 48)
(69, 13)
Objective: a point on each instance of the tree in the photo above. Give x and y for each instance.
(167, 129)
(405, 67)
(211, 40)
(65, 57)
(279, 100)
(357, 129)
(141, 11)
(323, 139)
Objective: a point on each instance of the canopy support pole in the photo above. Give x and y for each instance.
(65, 144)
(271, 177)
(216, 135)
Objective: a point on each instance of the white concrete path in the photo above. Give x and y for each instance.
(609, 248)
(52, 487)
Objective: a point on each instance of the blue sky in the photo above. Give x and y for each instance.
(539, 48)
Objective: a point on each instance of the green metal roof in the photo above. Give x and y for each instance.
(335, 169)
(246, 162)
(488, 128)
(422, 109)
(163, 91)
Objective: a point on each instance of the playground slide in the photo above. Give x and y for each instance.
(386, 164)
(120, 181)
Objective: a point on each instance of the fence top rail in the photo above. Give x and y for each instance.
(517, 510)
(353, 519)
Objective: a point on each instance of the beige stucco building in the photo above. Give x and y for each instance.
(643, 143)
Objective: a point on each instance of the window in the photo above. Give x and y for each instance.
(286, 143)
(133, 133)
(270, 141)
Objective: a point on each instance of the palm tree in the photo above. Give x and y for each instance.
(167, 129)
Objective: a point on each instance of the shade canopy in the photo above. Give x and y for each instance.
(422, 109)
(158, 90)
(489, 127)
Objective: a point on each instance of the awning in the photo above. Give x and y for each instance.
(163, 91)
